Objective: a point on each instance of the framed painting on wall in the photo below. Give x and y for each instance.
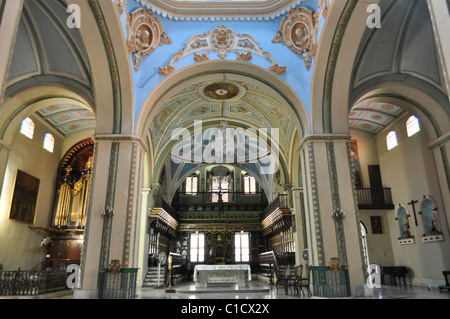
(376, 223)
(24, 199)
(355, 163)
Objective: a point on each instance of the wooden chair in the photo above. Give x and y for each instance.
(283, 278)
(305, 281)
(296, 279)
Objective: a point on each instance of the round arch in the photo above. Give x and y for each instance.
(26, 102)
(238, 71)
(112, 84)
(214, 70)
(412, 99)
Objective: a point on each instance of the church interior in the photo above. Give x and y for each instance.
(301, 145)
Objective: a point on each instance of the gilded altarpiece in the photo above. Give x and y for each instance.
(74, 188)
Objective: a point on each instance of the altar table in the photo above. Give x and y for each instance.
(222, 274)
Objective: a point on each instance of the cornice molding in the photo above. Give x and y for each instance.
(221, 10)
(324, 138)
(117, 138)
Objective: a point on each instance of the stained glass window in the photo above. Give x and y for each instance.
(27, 128)
(391, 140)
(412, 126)
(49, 142)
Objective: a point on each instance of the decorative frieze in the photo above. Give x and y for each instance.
(223, 41)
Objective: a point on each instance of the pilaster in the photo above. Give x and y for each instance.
(114, 218)
(331, 211)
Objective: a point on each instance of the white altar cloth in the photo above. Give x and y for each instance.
(222, 273)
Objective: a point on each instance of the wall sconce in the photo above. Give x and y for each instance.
(338, 214)
(107, 212)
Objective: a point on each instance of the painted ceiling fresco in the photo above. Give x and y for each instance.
(68, 119)
(250, 107)
(372, 118)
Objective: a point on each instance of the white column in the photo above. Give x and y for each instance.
(328, 187)
(300, 243)
(439, 11)
(113, 223)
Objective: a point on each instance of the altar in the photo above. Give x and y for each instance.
(222, 274)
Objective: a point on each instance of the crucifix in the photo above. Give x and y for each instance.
(412, 202)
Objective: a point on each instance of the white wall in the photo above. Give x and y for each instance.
(367, 153)
(379, 246)
(410, 171)
(20, 246)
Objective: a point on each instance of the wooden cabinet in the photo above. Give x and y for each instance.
(63, 251)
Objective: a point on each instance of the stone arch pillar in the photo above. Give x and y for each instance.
(331, 214)
(114, 223)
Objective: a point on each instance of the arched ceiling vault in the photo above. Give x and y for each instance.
(219, 98)
(48, 52)
(403, 50)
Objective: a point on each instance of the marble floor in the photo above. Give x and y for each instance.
(257, 290)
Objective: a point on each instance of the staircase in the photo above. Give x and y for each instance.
(151, 278)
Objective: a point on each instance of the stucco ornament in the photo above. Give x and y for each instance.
(121, 5)
(298, 32)
(145, 34)
(223, 41)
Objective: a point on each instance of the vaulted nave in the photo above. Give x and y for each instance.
(159, 149)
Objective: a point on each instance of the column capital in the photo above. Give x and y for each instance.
(323, 137)
(4, 147)
(440, 141)
(121, 138)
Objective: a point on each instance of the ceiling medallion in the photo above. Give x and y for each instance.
(145, 34)
(223, 41)
(298, 31)
(222, 91)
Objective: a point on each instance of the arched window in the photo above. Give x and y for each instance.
(197, 247)
(241, 247)
(27, 128)
(49, 142)
(412, 125)
(220, 182)
(391, 140)
(249, 184)
(192, 184)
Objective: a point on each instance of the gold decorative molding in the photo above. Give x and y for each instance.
(298, 32)
(221, 40)
(219, 227)
(335, 264)
(121, 5)
(145, 34)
